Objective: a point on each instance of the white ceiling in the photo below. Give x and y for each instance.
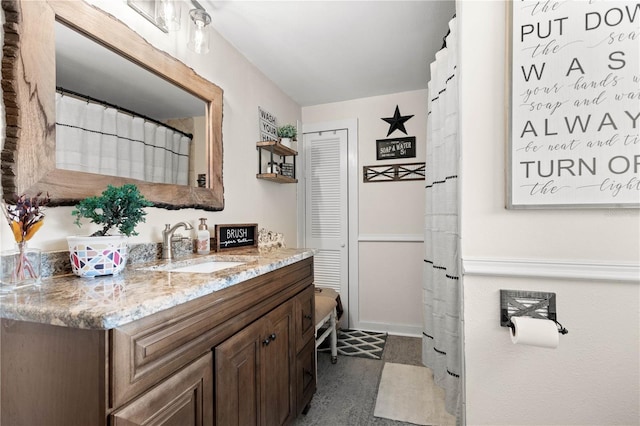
(327, 51)
(315, 51)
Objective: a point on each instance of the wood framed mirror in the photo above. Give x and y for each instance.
(29, 84)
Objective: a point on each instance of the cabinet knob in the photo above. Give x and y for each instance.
(308, 373)
(269, 339)
(308, 316)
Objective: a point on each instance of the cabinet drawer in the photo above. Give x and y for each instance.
(305, 376)
(305, 321)
(185, 398)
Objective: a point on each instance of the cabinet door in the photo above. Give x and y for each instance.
(184, 399)
(254, 372)
(237, 391)
(278, 366)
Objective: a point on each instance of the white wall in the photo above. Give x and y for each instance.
(247, 199)
(390, 273)
(593, 376)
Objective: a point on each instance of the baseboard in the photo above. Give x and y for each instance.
(396, 329)
(593, 271)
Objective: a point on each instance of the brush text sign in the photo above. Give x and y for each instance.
(236, 236)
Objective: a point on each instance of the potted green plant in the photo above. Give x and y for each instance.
(118, 208)
(287, 133)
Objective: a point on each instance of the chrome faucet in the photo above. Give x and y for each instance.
(167, 251)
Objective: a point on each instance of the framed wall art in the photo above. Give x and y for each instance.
(393, 172)
(268, 124)
(574, 104)
(391, 149)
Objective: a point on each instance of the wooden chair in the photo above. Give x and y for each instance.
(326, 320)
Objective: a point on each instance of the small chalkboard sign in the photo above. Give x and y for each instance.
(387, 149)
(236, 235)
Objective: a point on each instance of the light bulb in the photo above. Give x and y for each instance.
(168, 14)
(198, 42)
(198, 31)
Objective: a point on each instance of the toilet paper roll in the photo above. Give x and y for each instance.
(534, 332)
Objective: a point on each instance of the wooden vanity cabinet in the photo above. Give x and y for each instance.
(254, 372)
(232, 355)
(183, 399)
(265, 374)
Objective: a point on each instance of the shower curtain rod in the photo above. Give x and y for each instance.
(67, 92)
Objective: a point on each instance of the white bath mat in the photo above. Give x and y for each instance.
(407, 393)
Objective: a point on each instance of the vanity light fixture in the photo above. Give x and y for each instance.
(199, 30)
(168, 14)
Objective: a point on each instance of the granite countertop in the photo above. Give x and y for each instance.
(140, 290)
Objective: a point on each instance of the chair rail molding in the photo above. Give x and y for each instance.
(567, 269)
(391, 238)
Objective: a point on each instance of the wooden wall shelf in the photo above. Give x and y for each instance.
(274, 177)
(271, 149)
(278, 148)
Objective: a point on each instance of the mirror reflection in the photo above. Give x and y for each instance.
(115, 118)
(29, 152)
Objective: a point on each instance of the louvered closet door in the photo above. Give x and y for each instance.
(326, 209)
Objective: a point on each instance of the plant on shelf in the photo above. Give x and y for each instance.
(118, 208)
(287, 133)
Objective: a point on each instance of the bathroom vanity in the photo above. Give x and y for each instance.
(156, 346)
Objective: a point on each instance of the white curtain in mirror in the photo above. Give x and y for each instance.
(93, 138)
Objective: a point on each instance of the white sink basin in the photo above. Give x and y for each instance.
(207, 267)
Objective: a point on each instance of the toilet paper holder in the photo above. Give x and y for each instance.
(534, 304)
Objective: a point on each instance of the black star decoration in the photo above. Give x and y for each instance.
(397, 121)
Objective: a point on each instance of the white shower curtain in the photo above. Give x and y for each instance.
(441, 339)
(97, 139)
